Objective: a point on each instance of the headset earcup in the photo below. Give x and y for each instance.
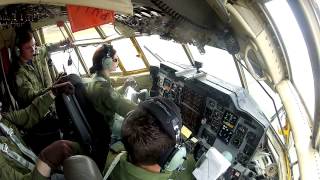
(107, 63)
(177, 159)
(17, 51)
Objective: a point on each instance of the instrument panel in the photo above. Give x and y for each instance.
(218, 114)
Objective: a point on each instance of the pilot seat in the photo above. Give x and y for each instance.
(82, 123)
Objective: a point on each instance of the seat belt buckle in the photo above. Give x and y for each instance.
(4, 148)
(10, 132)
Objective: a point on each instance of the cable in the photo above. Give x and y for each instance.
(273, 102)
(276, 110)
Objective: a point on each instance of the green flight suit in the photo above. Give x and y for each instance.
(106, 100)
(33, 80)
(10, 169)
(125, 170)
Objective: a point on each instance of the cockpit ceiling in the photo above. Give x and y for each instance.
(17, 14)
(193, 23)
(121, 6)
(200, 23)
(185, 24)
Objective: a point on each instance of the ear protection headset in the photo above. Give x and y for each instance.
(21, 30)
(16, 47)
(106, 60)
(168, 116)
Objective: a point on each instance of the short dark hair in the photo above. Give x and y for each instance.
(23, 34)
(144, 139)
(98, 55)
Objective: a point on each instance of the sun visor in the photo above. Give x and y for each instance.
(120, 6)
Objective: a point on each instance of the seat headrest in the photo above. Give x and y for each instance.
(81, 167)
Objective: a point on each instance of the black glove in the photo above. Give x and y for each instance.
(57, 152)
(61, 75)
(64, 87)
(61, 78)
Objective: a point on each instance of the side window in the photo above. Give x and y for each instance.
(61, 60)
(87, 53)
(296, 49)
(52, 34)
(217, 62)
(262, 98)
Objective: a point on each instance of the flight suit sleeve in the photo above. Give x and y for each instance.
(43, 65)
(31, 115)
(25, 90)
(115, 100)
(9, 172)
(120, 90)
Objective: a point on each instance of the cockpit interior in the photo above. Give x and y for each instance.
(227, 64)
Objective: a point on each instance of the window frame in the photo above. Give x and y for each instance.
(104, 39)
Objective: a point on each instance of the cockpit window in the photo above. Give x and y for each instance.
(87, 34)
(87, 53)
(259, 95)
(163, 49)
(108, 29)
(52, 34)
(296, 49)
(217, 62)
(67, 62)
(128, 54)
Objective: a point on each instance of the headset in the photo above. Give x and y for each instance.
(24, 29)
(168, 116)
(17, 50)
(106, 60)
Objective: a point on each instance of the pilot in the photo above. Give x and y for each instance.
(32, 79)
(17, 161)
(104, 97)
(30, 68)
(151, 138)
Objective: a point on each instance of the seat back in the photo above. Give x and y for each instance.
(7, 81)
(88, 122)
(81, 168)
(78, 118)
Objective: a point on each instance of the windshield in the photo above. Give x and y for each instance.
(217, 62)
(166, 50)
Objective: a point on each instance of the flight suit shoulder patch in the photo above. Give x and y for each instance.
(103, 85)
(19, 81)
(117, 147)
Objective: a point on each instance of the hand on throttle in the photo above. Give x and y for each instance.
(64, 87)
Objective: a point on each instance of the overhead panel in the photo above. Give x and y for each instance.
(121, 6)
